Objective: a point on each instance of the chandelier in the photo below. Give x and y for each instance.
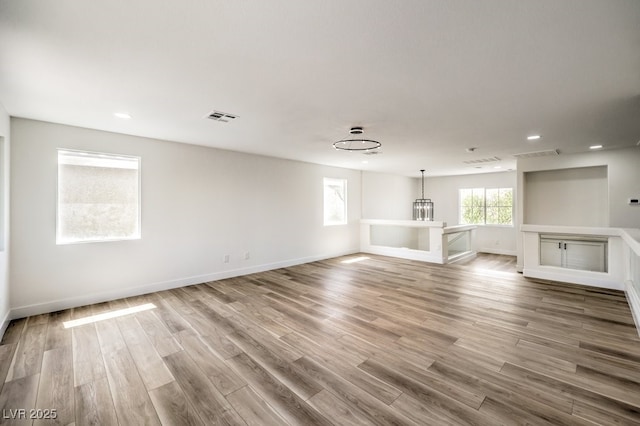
(356, 143)
(423, 207)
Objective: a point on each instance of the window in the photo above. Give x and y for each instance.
(98, 197)
(335, 201)
(499, 206)
(491, 206)
(3, 191)
(472, 206)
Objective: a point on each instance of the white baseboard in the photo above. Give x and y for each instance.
(87, 299)
(462, 256)
(492, 250)
(5, 323)
(571, 276)
(405, 253)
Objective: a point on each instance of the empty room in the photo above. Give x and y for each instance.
(419, 212)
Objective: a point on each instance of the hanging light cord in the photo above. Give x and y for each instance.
(422, 171)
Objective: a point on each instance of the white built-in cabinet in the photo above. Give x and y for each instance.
(581, 252)
(594, 256)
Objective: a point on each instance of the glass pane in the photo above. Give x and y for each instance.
(493, 214)
(98, 197)
(478, 197)
(472, 215)
(493, 197)
(506, 197)
(466, 197)
(505, 215)
(335, 201)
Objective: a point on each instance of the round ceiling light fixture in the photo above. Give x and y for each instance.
(356, 144)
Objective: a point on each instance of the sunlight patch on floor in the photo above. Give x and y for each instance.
(108, 315)
(355, 259)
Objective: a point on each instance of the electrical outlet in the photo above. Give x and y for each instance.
(225, 258)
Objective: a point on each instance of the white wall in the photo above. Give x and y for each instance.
(569, 197)
(4, 218)
(388, 197)
(623, 172)
(443, 191)
(198, 204)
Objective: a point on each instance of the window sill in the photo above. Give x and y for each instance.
(111, 240)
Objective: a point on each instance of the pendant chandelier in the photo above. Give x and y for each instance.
(423, 207)
(355, 143)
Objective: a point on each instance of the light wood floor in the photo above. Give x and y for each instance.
(379, 341)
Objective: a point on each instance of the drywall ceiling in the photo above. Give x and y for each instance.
(426, 78)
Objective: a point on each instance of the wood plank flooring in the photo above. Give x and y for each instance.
(378, 341)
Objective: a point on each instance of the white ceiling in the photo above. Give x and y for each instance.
(426, 78)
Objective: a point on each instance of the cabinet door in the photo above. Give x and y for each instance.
(587, 256)
(550, 253)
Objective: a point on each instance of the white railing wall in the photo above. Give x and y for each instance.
(457, 242)
(631, 238)
(433, 242)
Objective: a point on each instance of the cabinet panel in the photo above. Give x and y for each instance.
(574, 253)
(550, 253)
(585, 256)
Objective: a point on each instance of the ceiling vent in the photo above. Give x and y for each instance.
(221, 116)
(537, 154)
(482, 160)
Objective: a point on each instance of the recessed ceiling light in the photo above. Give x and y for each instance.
(365, 162)
(533, 137)
(497, 167)
(123, 115)
(595, 147)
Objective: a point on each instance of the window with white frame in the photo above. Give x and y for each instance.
(486, 206)
(2, 192)
(335, 201)
(98, 197)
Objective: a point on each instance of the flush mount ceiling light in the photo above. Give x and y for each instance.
(533, 137)
(355, 143)
(122, 115)
(595, 147)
